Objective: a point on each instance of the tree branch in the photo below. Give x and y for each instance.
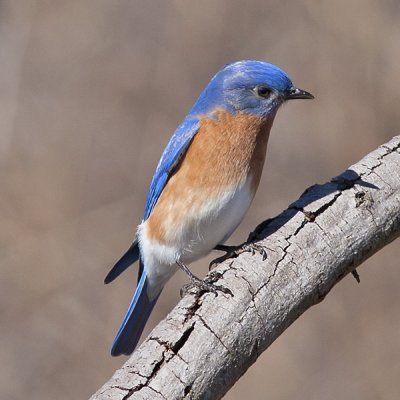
(206, 343)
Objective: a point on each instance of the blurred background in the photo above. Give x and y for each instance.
(91, 92)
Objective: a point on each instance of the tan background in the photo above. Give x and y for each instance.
(91, 92)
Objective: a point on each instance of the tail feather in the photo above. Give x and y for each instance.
(131, 256)
(134, 321)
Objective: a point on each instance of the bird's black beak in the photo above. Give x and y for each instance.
(296, 93)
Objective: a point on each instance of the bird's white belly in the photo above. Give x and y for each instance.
(216, 220)
(195, 235)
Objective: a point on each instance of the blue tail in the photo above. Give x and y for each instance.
(130, 257)
(134, 321)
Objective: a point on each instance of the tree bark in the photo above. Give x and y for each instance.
(207, 342)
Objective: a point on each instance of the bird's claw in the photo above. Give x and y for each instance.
(234, 251)
(255, 248)
(203, 287)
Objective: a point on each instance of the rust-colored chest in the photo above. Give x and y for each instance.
(227, 153)
(227, 150)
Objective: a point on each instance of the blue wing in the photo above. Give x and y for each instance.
(130, 257)
(140, 308)
(175, 149)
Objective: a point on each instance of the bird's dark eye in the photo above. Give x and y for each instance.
(263, 91)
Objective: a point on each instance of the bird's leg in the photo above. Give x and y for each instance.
(234, 251)
(200, 284)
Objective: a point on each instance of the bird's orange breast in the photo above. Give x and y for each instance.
(225, 152)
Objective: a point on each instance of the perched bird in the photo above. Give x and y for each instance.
(204, 183)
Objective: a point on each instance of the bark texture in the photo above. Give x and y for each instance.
(206, 343)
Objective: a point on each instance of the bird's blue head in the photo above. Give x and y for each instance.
(251, 87)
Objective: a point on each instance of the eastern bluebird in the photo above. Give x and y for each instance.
(204, 183)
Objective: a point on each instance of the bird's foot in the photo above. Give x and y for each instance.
(202, 285)
(234, 251)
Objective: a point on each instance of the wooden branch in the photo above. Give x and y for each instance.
(206, 343)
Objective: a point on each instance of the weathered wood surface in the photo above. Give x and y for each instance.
(205, 344)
